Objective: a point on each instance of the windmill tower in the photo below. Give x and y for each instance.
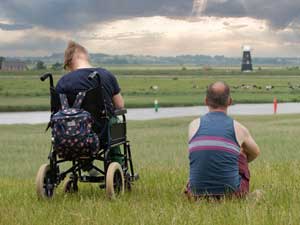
(247, 60)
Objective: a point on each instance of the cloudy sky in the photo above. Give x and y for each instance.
(154, 27)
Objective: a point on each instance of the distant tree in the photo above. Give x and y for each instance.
(57, 66)
(119, 60)
(40, 65)
(1, 61)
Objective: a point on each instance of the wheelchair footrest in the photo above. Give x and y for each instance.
(91, 179)
(135, 177)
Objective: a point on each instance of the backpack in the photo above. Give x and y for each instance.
(72, 134)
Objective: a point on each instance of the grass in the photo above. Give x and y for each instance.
(23, 91)
(160, 156)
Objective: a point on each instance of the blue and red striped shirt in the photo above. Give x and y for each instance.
(213, 155)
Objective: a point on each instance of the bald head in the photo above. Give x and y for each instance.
(218, 95)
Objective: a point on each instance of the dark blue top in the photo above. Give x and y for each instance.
(77, 81)
(213, 154)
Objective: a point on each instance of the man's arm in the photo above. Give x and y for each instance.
(248, 144)
(118, 101)
(193, 127)
(250, 148)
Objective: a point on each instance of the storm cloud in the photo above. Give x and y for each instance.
(11, 27)
(74, 14)
(231, 8)
(37, 27)
(34, 43)
(278, 13)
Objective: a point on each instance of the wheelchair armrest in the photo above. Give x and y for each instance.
(120, 112)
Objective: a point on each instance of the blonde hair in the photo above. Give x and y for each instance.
(70, 51)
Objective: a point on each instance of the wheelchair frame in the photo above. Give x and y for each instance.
(113, 177)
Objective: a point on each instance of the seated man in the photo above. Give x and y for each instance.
(76, 60)
(219, 149)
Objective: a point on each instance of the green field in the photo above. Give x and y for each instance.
(160, 155)
(176, 87)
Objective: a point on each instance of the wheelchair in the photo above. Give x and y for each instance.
(112, 176)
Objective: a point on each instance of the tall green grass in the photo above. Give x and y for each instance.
(160, 156)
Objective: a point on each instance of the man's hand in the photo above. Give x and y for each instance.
(118, 101)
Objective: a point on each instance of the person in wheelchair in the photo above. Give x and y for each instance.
(76, 61)
(85, 106)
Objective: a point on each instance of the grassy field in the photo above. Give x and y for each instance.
(163, 166)
(176, 87)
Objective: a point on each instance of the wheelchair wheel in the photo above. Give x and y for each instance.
(115, 183)
(44, 184)
(70, 185)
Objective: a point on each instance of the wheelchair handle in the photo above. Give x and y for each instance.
(93, 75)
(45, 77)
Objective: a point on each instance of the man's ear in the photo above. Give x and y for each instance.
(230, 101)
(206, 101)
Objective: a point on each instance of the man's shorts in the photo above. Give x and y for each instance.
(245, 176)
(240, 193)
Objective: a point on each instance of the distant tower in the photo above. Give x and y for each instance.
(247, 60)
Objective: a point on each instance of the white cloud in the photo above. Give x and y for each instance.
(160, 36)
(206, 35)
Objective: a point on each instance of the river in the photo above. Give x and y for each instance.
(150, 114)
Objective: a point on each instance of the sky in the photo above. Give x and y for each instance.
(151, 27)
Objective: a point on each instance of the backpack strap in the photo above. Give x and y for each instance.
(79, 99)
(64, 101)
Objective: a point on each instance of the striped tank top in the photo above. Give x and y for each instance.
(213, 155)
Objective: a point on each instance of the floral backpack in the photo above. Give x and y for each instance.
(72, 134)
